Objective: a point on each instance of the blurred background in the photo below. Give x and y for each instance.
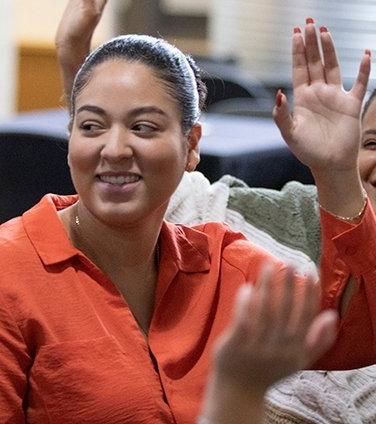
(243, 45)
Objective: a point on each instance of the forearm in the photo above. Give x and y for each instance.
(70, 58)
(73, 37)
(341, 194)
(348, 250)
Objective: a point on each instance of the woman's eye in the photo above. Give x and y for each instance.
(370, 143)
(145, 129)
(89, 127)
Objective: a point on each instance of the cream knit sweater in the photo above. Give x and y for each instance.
(285, 223)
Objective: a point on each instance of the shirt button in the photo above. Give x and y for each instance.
(350, 250)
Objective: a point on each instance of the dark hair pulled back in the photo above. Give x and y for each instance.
(178, 71)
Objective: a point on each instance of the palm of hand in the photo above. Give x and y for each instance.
(325, 126)
(256, 366)
(276, 331)
(324, 130)
(91, 8)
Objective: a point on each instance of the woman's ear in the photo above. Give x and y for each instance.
(193, 157)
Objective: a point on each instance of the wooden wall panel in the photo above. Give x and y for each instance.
(39, 85)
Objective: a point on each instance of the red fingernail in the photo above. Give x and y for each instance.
(323, 29)
(297, 30)
(368, 52)
(309, 21)
(278, 98)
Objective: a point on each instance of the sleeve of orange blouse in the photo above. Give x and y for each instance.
(349, 250)
(14, 361)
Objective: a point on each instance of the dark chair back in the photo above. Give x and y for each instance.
(31, 165)
(234, 91)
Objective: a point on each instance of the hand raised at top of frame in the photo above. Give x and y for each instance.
(324, 129)
(73, 37)
(79, 20)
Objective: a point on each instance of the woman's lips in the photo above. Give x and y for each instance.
(118, 184)
(119, 179)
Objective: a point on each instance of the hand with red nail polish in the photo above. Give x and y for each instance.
(324, 130)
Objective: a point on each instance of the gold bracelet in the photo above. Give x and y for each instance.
(349, 218)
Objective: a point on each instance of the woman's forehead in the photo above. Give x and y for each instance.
(122, 78)
(124, 69)
(122, 86)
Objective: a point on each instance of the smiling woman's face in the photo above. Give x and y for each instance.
(367, 153)
(127, 151)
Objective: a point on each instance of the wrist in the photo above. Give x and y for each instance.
(354, 218)
(341, 192)
(332, 172)
(227, 402)
(69, 51)
(70, 59)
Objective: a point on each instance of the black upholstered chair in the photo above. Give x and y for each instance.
(234, 91)
(31, 165)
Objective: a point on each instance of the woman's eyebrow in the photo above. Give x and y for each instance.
(137, 111)
(371, 131)
(91, 108)
(147, 109)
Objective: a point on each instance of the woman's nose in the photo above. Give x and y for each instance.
(117, 145)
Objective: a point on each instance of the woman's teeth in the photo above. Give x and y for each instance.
(119, 180)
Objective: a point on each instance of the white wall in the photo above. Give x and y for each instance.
(8, 59)
(259, 32)
(33, 22)
(194, 7)
(37, 20)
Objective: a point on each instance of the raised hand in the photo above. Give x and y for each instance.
(324, 130)
(276, 330)
(73, 36)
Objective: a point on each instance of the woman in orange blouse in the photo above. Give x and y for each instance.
(109, 314)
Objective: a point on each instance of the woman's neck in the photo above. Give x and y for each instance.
(129, 256)
(130, 246)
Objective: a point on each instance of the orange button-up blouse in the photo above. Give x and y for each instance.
(71, 351)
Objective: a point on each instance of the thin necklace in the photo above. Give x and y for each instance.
(78, 231)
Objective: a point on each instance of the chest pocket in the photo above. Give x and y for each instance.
(94, 381)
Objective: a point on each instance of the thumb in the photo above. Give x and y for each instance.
(282, 116)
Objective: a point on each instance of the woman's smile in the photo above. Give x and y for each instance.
(118, 183)
(127, 151)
